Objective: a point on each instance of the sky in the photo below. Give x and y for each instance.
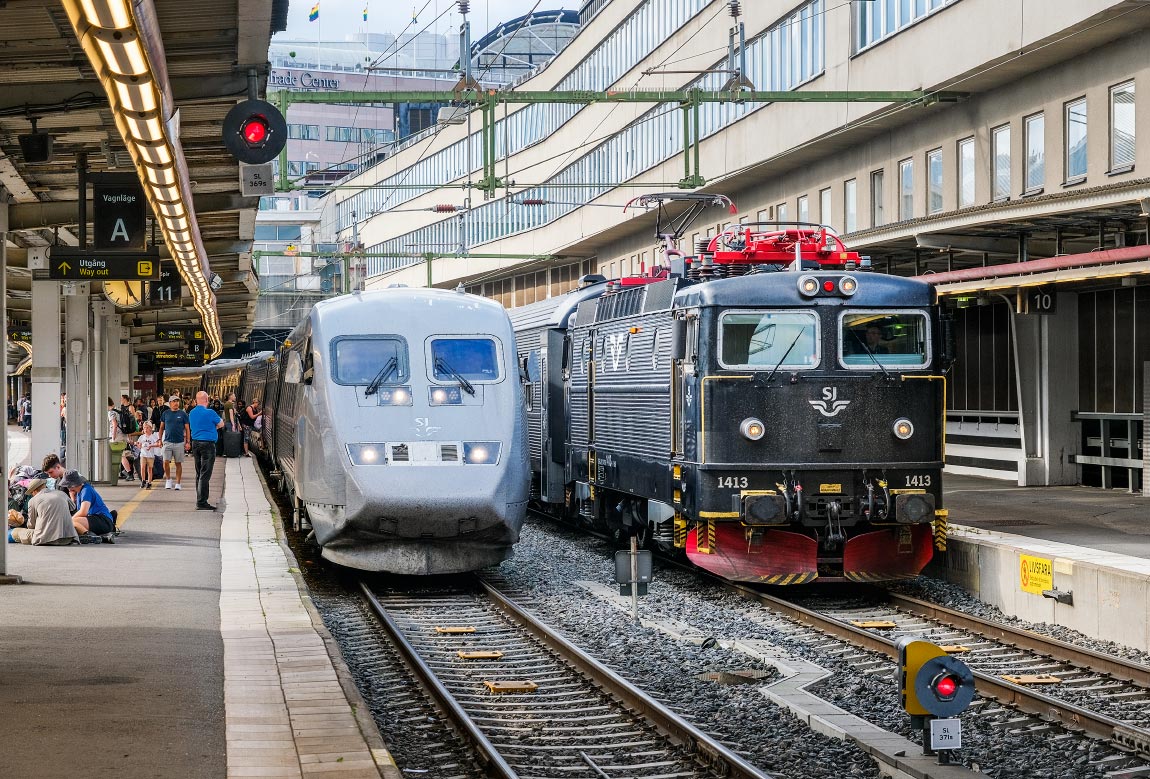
(340, 17)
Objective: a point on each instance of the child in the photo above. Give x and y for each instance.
(149, 443)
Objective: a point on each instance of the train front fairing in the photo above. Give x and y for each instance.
(409, 448)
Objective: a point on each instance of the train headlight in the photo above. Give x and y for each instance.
(903, 429)
(367, 454)
(395, 396)
(445, 396)
(809, 286)
(481, 452)
(752, 429)
(848, 285)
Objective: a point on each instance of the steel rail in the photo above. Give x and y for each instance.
(495, 764)
(1111, 665)
(704, 748)
(1067, 715)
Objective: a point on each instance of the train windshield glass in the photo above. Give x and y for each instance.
(473, 359)
(891, 339)
(359, 360)
(763, 340)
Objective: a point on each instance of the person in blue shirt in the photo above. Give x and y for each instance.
(205, 425)
(92, 517)
(175, 437)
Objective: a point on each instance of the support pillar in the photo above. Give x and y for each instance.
(1046, 367)
(77, 354)
(47, 374)
(5, 577)
(101, 312)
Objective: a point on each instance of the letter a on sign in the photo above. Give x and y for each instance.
(120, 232)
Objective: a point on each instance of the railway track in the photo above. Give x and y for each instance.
(1084, 691)
(534, 706)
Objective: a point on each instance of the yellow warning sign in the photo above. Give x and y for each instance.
(1035, 574)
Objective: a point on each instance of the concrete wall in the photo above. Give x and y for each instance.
(1111, 591)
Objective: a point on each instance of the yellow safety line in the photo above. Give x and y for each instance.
(125, 513)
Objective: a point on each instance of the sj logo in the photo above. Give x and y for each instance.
(829, 405)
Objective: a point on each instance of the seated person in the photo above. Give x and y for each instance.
(92, 516)
(49, 521)
(53, 467)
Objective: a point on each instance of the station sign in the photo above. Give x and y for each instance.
(71, 263)
(180, 334)
(119, 215)
(1039, 300)
(20, 334)
(166, 289)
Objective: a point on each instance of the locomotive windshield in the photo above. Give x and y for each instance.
(466, 359)
(762, 340)
(892, 339)
(359, 360)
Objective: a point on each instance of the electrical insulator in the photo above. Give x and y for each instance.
(736, 11)
(445, 208)
(533, 202)
(464, 7)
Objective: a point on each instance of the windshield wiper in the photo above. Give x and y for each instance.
(390, 367)
(870, 354)
(786, 354)
(442, 365)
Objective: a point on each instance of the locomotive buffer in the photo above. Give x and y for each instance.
(935, 688)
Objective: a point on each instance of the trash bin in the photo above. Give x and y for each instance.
(115, 453)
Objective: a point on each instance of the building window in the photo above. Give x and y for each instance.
(876, 194)
(1000, 153)
(781, 212)
(1035, 127)
(825, 206)
(804, 209)
(1075, 141)
(303, 132)
(906, 190)
(876, 20)
(1122, 127)
(966, 173)
(934, 181)
(850, 206)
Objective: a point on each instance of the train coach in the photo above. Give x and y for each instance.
(393, 420)
(768, 407)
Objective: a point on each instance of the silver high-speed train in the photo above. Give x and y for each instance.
(395, 421)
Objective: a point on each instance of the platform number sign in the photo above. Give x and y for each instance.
(946, 734)
(167, 289)
(1040, 300)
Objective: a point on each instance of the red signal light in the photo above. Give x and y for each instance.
(829, 286)
(255, 130)
(946, 686)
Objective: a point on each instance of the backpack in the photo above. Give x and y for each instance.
(126, 421)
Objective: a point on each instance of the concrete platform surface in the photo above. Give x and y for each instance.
(183, 650)
(1110, 520)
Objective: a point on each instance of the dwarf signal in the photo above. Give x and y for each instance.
(255, 132)
(933, 685)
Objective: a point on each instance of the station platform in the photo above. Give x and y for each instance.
(186, 649)
(1072, 556)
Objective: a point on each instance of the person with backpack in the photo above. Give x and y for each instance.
(26, 413)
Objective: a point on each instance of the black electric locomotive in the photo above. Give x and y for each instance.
(768, 406)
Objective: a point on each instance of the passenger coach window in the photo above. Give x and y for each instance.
(475, 359)
(361, 360)
(763, 340)
(892, 339)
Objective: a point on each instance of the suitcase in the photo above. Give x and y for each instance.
(233, 443)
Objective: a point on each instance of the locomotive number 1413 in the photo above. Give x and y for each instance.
(733, 482)
(918, 480)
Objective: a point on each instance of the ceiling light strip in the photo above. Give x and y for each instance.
(123, 43)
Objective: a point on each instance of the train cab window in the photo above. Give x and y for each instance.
(357, 360)
(891, 339)
(473, 359)
(764, 340)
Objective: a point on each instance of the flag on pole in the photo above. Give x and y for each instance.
(365, 12)
(311, 17)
